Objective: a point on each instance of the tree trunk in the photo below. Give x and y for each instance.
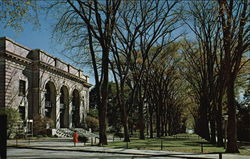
(104, 99)
(139, 100)
(162, 119)
(141, 121)
(158, 121)
(219, 131)
(170, 132)
(131, 128)
(219, 125)
(203, 121)
(151, 124)
(125, 121)
(163, 124)
(102, 108)
(213, 125)
(231, 128)
(125, 114)
(213, 131)
(102, 125)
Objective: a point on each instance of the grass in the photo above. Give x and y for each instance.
(178, 143)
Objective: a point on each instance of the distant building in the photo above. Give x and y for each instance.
(36, 83)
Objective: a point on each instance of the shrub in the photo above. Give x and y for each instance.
(92, 123)
(20, 136)
(83, 138)
(119, 134)
(41, 124)
(114, 129)
(13, 117)
(39, 136)
(93, 113)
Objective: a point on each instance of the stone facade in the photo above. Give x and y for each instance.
(36, 83)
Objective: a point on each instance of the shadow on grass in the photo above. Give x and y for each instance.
(178, 139)
(191, 144)
(147, 146)
(204, 144)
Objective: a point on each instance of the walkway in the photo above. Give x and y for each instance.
(63, 145)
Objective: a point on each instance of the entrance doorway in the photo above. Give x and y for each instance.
(50, 101)
(76, 109)
(64, 111)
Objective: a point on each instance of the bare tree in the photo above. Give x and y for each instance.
(163, 90)
(89, 25)
(221, 31)
(156, 32)
(202, 20)
(142, 26)
(234, 21)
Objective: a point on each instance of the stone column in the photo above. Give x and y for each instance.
(26, 107)
(81, 109)
(57, 104)
(70, 110)
(84, 108)
(87, 100)
(42, 97)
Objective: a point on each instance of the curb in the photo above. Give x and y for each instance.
(115, 152)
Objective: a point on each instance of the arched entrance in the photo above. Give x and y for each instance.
(50, 102)
(64, 107)
(75, 109)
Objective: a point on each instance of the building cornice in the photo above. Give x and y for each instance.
(43, 65)
(4, 52)
(18, 58)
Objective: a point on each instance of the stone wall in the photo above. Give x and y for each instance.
(38, 69)
(2, 82)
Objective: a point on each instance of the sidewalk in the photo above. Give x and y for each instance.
(67, 145)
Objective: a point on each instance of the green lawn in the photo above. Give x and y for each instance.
(178, 143)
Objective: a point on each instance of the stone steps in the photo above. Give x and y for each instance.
(66, 132)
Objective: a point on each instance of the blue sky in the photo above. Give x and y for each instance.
(39, 38)
(35, 38)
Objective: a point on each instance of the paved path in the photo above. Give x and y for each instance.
(17, 153)
(63, 148)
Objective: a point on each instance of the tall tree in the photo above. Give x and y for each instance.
(141, 26)
(122, 46)
(202, 20)
(94, 21)
(156, 31)
(234, 21)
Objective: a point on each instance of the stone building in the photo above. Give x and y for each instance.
(36, 83)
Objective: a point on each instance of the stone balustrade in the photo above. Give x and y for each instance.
(11, 47)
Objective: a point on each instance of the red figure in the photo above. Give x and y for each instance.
(75, 138)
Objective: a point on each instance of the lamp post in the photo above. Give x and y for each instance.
(225, 127)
